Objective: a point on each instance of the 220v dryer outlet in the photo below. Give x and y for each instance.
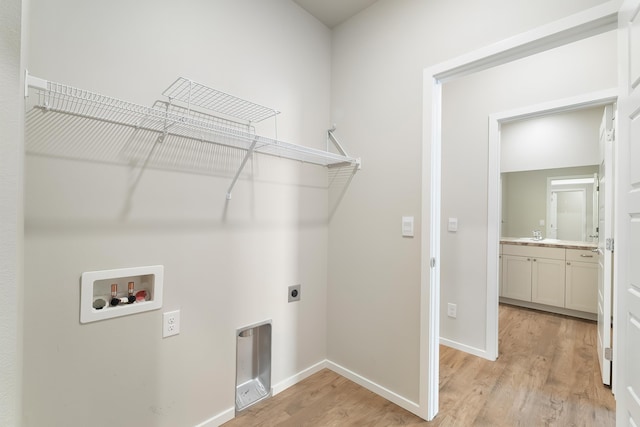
(294, 293)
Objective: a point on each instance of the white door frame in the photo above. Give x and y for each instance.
(576, 27)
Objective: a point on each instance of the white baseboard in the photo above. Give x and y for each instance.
(218, 420)
(376, 388)
(294, 379)
(467, 349)
(549, 308)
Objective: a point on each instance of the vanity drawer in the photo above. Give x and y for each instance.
(582, 255)
(533, 251)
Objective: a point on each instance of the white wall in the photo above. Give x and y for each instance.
(568, 139)
(548, 76)
(11, 236)
(227, 264)
(374, 274)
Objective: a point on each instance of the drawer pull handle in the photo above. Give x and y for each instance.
(586, 256)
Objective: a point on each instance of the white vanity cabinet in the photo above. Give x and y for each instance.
(550, 277)
(581, 283)
(533, 273)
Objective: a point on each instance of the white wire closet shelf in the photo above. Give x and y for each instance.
(196, 94)
(228, 122)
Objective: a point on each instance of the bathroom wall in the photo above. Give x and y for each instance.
(227, 263)
(568, 139)
(11, 239)
(377, 83)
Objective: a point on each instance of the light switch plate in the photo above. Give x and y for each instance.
(407, 226)
(453, 224)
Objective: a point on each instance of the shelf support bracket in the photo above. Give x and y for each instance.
(242, 165)
(335, 142)
(331, 137)
(35, 82)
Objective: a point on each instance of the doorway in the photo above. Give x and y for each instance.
(598, 99)
(595, 21)
(573, 208)
(573, 203)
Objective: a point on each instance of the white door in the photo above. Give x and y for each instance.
(552, 229)
(605, 234)
(571, 216)
(627, 251)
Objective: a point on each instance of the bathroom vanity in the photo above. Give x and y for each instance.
(550, 275)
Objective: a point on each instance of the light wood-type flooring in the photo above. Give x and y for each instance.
(547, 375)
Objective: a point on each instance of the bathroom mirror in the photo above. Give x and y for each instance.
(560, 203)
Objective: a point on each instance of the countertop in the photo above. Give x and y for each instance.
(547, 243)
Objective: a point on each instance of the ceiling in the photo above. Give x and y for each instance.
(333, 12)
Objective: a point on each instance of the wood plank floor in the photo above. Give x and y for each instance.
(546, 375)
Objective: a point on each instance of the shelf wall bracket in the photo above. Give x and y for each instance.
(34, 82)
(331, 137)
(242, 165)
(336, 143)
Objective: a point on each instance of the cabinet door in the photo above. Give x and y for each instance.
(547, 281)
(516, 277)
(582, 286)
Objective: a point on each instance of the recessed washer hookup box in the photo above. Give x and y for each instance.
(106, 294)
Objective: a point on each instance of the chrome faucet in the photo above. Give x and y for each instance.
(537, 235)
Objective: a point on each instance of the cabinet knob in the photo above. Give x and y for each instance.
(534, 260)
(568, 263)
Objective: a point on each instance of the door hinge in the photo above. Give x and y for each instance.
(611, 134)
(609, 244)
(432, 262)
(608, 353)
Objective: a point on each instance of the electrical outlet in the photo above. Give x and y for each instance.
(452, 310)
(294, 293)
(170, 323)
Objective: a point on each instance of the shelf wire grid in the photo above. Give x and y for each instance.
(196, 94)
(169, 120)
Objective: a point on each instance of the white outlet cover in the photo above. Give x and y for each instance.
(451, 310)
(170, 323)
